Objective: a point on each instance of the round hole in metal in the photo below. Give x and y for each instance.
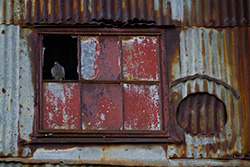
(201, 113)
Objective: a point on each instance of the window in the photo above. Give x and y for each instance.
(115, 87)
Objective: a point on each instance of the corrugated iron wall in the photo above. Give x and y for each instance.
(17, 89)
(214, 41)
(218, 54)
(9, 83)
(206, 13)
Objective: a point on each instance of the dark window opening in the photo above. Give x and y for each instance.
(61, 49)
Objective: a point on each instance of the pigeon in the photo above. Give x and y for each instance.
(58, 72)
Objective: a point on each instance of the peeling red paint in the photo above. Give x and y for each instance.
(142, 107)
(140, 58)
(60, 106)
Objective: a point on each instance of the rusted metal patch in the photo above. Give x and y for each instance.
(102, 107)
(124, 13)
(90, 57)
(201, 113)
(141, 107)
(60, 106)
(140, 58)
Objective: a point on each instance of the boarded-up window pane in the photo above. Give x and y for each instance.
(60, 106)
(142, 107)
(140, 58)
(100, 58)
(102, 107)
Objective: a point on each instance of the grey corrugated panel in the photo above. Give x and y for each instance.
(9, 84)
(17, 89)
(218, 54)
(163, 12)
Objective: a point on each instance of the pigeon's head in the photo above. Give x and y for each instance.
(56, 63)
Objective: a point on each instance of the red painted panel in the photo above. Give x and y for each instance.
(101, 106)
(60, 106)
(100, 58)
(142, 107)
(140, 58)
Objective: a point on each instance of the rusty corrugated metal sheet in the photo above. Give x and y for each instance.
(201, 114)
(11, 11)
(223, 55)
(205, 13)
(9, 85)
(17, 93)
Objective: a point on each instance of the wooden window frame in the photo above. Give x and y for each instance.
(105, 136)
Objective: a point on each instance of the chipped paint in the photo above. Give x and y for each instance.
(90, 55)
(142, 107)
(60, 106)
(140, 58)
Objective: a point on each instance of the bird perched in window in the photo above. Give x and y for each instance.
(58, 72)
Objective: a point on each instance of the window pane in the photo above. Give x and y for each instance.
(100, 58)
(142, 107)
(61, 49)
(140, 58)
(60, 106)
(102, 108)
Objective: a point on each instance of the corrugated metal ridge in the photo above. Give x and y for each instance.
(207, 13)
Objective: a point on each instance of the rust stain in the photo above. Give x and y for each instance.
(126, 12)
(3, 90)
